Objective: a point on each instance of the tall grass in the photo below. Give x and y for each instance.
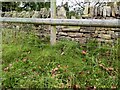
(30, 62)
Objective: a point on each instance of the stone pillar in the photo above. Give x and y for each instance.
(95, 9)
(98, 10)
(116, 8)
(85, 12)
(119, 10)
(108, 10)
(101, 9)
(104, 11)
(92, 11)
(113, 11)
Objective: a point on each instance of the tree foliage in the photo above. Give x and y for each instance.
(27, 6)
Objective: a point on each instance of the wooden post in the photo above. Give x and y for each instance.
(53, 28)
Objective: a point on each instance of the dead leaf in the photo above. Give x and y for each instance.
(76, 87)
(109, 69)
(24, 59)
(33, 69)
(62, 53)
(6, 69)
(55, 69)
(39, 67)
(105, 68)
(10, 65)
(102, 66)
(58, 66)
(113, 87)
(53, 72)
(16, 60)
(84, 52)
(84, 60)
(29, 52)
(82, 72)
(91, 88)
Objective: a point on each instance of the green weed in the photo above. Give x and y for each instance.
(29, 62)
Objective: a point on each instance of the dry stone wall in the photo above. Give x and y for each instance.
(79, 34)
(83, 34)
(43, 13)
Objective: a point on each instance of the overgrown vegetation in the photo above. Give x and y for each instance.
(27, 6)
(30, 62)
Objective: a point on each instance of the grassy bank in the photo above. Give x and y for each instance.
(30, 62)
